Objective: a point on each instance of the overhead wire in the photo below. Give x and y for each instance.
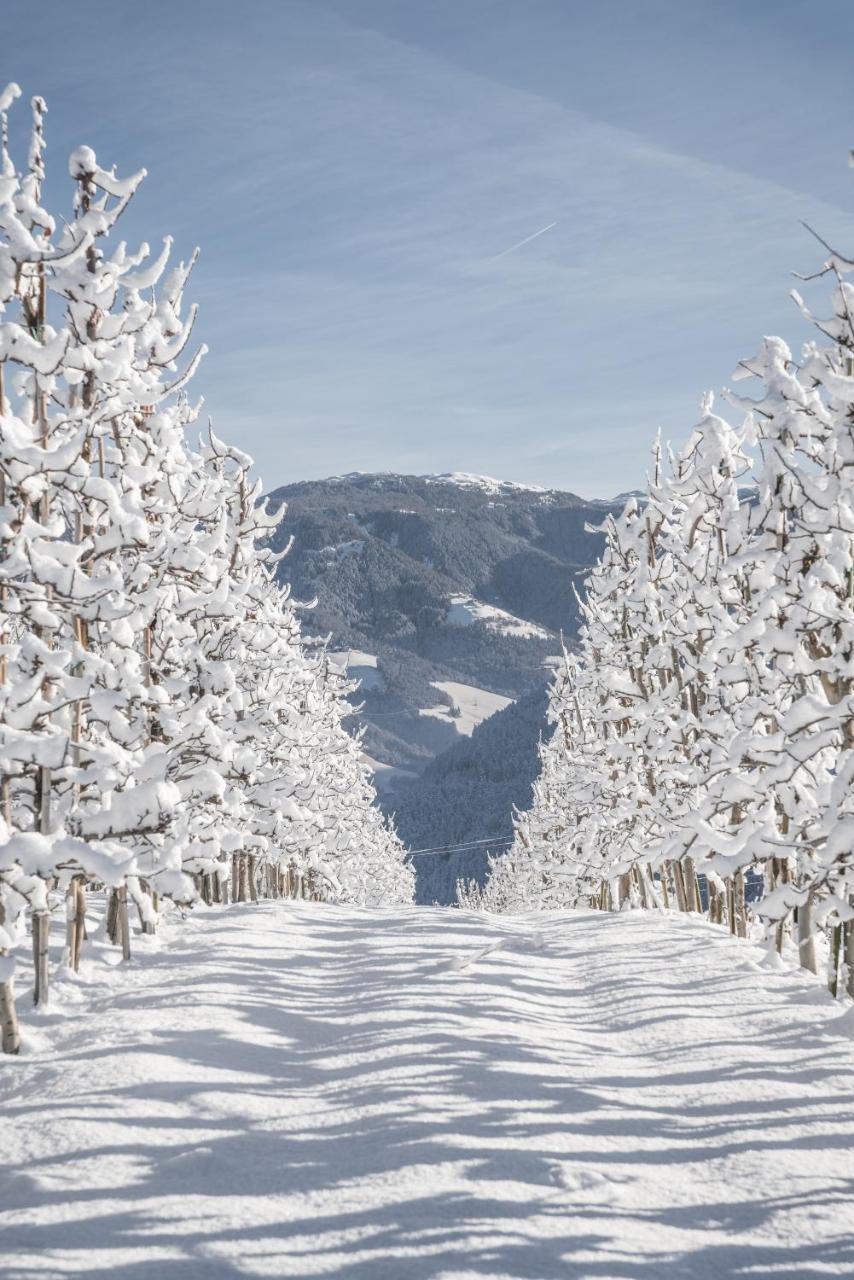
(461, 848)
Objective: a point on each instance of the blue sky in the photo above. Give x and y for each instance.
(356, 170)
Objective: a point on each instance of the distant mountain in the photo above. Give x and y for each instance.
(445, 595)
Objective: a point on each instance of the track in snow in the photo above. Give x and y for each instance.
(300, 1091)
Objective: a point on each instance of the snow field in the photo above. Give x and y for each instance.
(473, 704)
(301, 1090)
(465, 611)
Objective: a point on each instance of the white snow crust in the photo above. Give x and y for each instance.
(473, 705)
(465, 610)
(297, 1090)
(487, 484)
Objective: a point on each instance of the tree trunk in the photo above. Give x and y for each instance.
(740, 904)
(780, 875)
(806, 939)
(113, 916)
(147, 926)
(833, 960)
(10, 1037)
(637, 877)
(123, 922)
(75, 915)
(692, 888)
(848, 938)
(250, 875)
(714, 903)
(41, 936)
(679, 885)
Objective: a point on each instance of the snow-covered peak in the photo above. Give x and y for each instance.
(487, 484)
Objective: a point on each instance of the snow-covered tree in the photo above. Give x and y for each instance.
(161, 722)
(715, 670)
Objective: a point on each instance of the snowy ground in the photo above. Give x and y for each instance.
(473, 705)
(465, 611)
(298, 1090)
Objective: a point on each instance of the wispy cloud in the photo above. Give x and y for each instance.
(520, 243)
(343, 185)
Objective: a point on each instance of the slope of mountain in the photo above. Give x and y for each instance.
(445, 596)
(460, 807)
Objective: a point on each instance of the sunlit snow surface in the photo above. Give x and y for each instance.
(470, 705)
(301, 1091)
(464, 611)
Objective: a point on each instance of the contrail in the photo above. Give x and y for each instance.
(542, 231)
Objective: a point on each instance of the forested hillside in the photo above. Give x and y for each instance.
(440, 579)
(460, 808)
(446, 597)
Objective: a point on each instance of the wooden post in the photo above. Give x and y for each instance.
(679, 886)
(250, 872)
(41, 936)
